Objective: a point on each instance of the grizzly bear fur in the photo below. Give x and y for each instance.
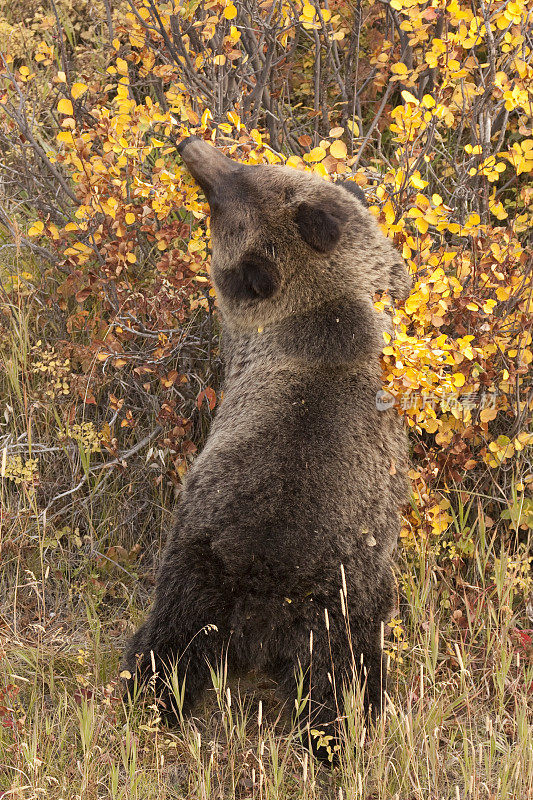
(301, 473)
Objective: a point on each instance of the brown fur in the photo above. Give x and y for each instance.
(301, 473)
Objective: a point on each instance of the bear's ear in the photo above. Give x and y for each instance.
(255, 278)
(320, 228)
(353, 188)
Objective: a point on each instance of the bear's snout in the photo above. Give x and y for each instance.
(207, 165)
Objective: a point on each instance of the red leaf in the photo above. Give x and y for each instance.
(209, 395)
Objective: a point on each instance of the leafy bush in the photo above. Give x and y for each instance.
(427, 106)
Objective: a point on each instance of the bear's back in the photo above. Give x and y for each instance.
(297, 476)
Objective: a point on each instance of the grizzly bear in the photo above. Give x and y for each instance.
(294, 500)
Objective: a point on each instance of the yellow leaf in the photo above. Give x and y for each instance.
(503, 292)
(294, 161)
(487, 414)
(417, 181)
(65, 106)
(399, 69)
(388, 210)
(78, 89)
(130, 218)
(338, 149)
(408, 97)
(431, 425)
(422, 225)
(320, 170)
(65, 137)
(316, 154)
(459, 379)
(36, 228)
(230, 12)
(233, 117)
(354, 127)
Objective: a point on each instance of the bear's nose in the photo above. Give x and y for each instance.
(208, 166)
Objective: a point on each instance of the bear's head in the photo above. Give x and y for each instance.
(285, 241)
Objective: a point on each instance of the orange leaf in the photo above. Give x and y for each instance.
(209, 395)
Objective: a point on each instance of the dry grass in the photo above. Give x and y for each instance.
(458, 724)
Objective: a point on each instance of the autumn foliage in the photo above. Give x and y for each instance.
(427, 105)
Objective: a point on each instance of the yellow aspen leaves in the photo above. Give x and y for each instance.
(417, 181)
(77, 89)
(399, 69)
(121, 66)
(230, 12)
(234, 119)
(65, 106)
(308, 13)
(459, 379)
(36, 228)
(316, 154)
(409, 98)
(338, 149)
